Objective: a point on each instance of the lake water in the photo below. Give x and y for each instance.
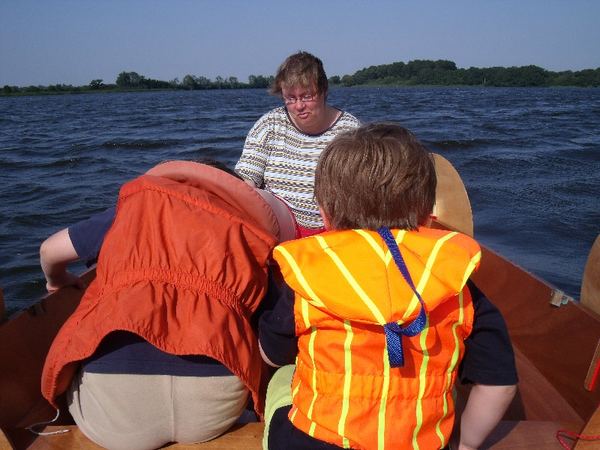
(529, 157)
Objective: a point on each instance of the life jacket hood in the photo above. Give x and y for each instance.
(350, 265)
(370, 354)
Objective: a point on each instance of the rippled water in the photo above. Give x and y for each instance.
(530, 159)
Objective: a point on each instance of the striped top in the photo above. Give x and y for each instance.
(279, 157)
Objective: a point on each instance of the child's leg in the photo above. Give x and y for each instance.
(282, 433)
(279, 394)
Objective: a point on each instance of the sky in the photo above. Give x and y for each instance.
(44, 42)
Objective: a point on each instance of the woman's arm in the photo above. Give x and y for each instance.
(253, 160)
(56, 253)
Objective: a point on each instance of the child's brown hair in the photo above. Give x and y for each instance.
(376, 175)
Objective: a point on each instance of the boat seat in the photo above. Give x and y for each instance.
(246, 436)
(509, 435)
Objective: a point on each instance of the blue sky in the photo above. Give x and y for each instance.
(74, 41)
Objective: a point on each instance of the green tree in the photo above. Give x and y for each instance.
(128, 80)
(233, 82)
(335, 79)
(96, 84)
(348, 80)
(203, 82)
(189, 82)
(259, 81)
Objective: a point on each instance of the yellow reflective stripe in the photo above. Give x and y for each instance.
(347, 382)
(293, 416)
(373, 243)
(353, 283)
(296, 389)
(386, 256)
(451, 367)
(305, 319)
(311, 352)
(294, 392)
(426, 274)
(304, 308)
(314, 298)
(422, 384)
(383, 404)
(471, 267)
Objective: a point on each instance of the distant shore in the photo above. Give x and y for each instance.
(416, 73)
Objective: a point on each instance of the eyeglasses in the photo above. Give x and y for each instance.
(307, 98)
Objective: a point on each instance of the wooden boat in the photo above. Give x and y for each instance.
(556, 341)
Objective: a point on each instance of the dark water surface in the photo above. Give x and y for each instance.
(530, 159)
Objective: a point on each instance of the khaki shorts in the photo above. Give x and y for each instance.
(148, 411)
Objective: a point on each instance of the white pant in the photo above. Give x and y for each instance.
(148, 411)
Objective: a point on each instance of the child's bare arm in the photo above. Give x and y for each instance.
(56, 253)
(485, 407)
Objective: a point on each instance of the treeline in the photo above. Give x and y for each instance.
(129, 81)
(445, 73)
(413, 73)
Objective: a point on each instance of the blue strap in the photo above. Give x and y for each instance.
(393, 331)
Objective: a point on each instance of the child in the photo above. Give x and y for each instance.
(162, 348)
(378, 315)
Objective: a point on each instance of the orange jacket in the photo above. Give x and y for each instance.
(184, 266)
(348, 287)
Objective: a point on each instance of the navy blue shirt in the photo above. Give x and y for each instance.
(121, 351)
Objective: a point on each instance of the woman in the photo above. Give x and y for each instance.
(161, 347)
(282, 148)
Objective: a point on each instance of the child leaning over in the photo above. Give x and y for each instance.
(378, 315)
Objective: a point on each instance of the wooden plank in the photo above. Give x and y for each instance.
(509, 435)
(590, 285)
(559, 341)
(528, 435)
(452, 205)
(592, 433)
(2, 307)
(537, 399)
(24, 344)
(4, 442)
(240, 437)
(593, 375)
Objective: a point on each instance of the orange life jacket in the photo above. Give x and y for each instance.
(184, 266)
(348, 287)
